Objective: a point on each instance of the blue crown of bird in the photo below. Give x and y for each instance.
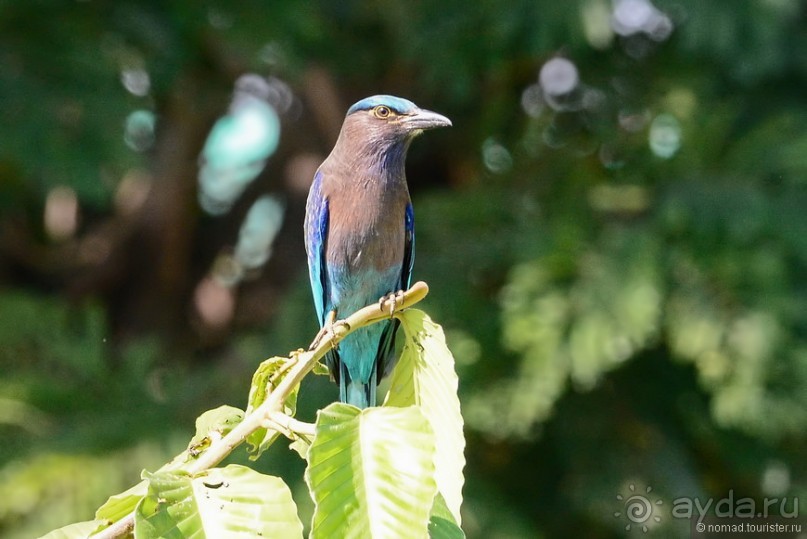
(360, 234)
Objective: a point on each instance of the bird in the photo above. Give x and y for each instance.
(360, 234)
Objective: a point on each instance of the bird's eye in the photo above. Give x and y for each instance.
(382, 112)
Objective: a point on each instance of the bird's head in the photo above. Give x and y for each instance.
(377, 131)
(392, 118)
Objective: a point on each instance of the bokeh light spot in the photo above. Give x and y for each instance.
(532, 101)
(240, 142)
(214, 302)
(61, 213)
(132, 191)
(496, 157)
(260, 227)
(139, 130)
(776, 479)
(558, 76)
(596, 18)
(136, 81)
(631, 17)
(665, 135)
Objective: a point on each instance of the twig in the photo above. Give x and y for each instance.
(287, 425)
(272, 406)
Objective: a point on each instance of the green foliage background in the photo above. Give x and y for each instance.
(618, 317)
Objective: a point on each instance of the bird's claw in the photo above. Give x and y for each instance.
(326, 327)
(394, 299)
(345, 328)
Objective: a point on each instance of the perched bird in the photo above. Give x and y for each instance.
(360, 234)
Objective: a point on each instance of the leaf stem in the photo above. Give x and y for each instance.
(287, 425)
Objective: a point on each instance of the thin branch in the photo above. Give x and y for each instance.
(289, 426)
(273, 405)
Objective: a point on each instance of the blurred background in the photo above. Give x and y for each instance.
(614, 233)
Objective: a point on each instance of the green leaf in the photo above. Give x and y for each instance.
(210, 427)
(234, 501)
(260, 440)
(443, 528)
(120, 505)
(79, 530)
(268, 374)
(320, 369)
(441, 522)
(371, 472)
(213, 425)
(425, 376)
(301, 446)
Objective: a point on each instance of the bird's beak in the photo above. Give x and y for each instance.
(425, 119)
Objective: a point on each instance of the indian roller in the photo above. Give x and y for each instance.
(360, 234)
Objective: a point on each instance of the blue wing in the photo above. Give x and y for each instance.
(409, 247)
(316, 240)
(316, 231)
(386, 347)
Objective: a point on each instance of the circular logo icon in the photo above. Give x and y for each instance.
(638, 509)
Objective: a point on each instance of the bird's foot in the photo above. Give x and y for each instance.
(326, 327)
(394, 298)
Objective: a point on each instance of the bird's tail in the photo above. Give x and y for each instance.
(355, 392)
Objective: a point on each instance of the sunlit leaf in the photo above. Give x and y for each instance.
(221, 503)
(79, 530)
(371, 472)
(212, 426)
(425, 376)
(301, 446)
(266, 377)
(262, 379)
(443, 528)
(120, 505)
(441, 522)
